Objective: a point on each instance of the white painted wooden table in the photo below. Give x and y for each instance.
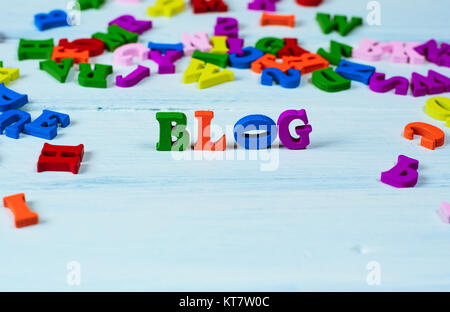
(137, 219)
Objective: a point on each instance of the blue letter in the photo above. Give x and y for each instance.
(355, 71)
(10, 99)
(258, 124)
(289, 80)
(13, 121)
(55, 18)
(45, 125)
(251, 55)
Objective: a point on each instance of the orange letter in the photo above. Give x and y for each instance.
(204, 133)
(23, 216)
(432, 136)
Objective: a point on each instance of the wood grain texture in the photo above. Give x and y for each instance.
(138, 219)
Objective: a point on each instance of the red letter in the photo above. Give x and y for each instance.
(60, 158)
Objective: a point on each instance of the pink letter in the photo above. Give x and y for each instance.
(198, 41)
(124, 55)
